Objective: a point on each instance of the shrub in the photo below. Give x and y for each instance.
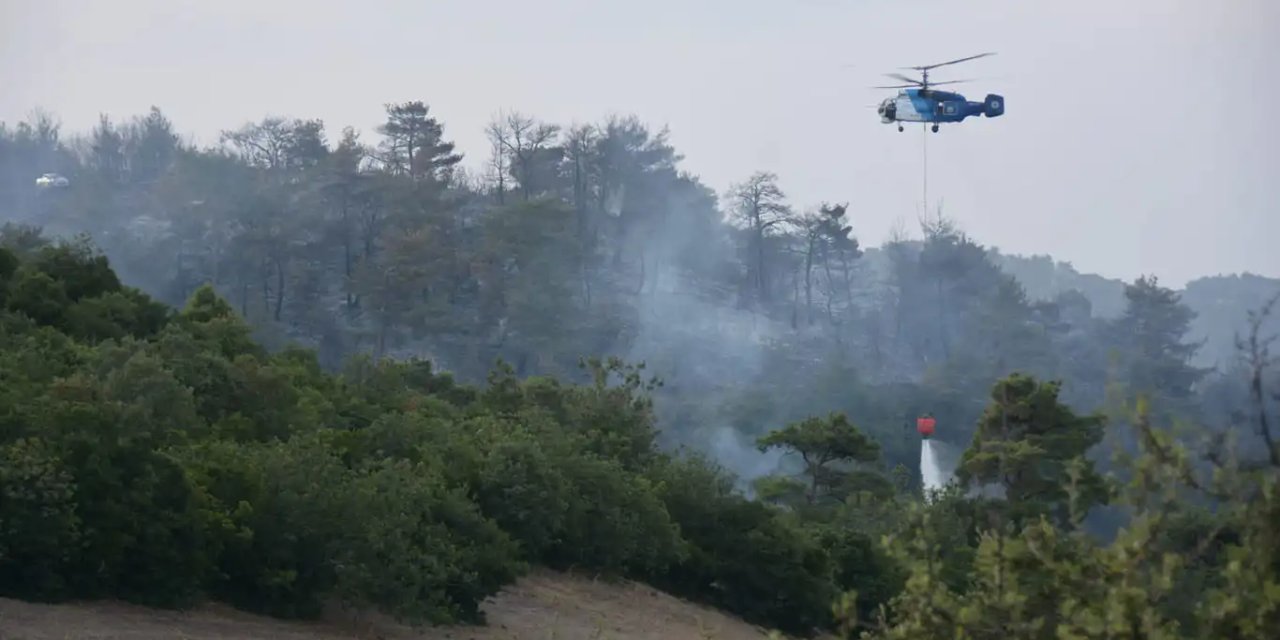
(746, 557)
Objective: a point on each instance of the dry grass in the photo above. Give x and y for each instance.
(544, 605)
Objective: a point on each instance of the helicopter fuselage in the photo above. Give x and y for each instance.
(932, 106)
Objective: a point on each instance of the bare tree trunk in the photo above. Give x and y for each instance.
(758, 227)
(526, 189)
(761, 279)
(266, 288)
(808, 282)
(347, 257)
(413, 173)
(795, 301)
(848, 280)
(826, 267)
(279, 289)
(877, 336)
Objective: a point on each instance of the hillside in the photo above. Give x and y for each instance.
(542, 605)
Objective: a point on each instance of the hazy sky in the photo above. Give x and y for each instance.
(1136, 138)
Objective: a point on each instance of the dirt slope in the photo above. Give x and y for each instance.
(542, 605)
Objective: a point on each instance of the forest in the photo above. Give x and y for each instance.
(285, 369)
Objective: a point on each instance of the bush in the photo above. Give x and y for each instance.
(423, 552)
(40, 529)
(745, 556)
(296, 525)
(860, 564)
(92, 505)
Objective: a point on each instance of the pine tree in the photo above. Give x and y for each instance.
(1031, 446)
(1149, 341)
(415, 144)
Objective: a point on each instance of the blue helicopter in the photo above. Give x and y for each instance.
(918, 102)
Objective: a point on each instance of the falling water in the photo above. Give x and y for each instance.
(929, 468)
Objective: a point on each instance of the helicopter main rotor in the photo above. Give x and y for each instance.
(923, 83)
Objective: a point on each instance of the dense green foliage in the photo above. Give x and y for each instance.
(1026, 445)
(1198, 560)
(163, 456)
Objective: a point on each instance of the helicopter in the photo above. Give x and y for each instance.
(918, 102)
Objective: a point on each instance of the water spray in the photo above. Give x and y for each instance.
(930, 470)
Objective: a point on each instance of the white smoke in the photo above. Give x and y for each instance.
(739, 455)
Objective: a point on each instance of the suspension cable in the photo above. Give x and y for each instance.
(924, 144)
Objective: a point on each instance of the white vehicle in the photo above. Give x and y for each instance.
(51, 180)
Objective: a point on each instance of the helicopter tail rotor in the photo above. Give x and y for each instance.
(993, 106)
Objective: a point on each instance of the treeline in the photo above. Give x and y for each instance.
(590, 240)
